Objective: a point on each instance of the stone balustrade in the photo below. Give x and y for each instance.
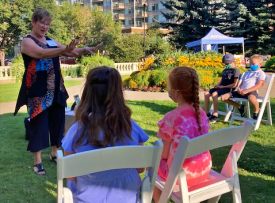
(126, 68)
(5, 72)
(123, 69)
(68, 66)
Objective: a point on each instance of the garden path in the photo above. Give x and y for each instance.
(129, 95)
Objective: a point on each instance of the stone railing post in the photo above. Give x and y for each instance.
(126, 68)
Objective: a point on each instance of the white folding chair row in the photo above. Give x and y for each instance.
(106, 159)
(265, 104)
(217, 183)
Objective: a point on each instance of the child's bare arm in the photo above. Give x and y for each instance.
(218, 85)
(233, 85)
(166, 149)
(259, 84)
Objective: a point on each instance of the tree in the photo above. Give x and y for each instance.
(104, 29)
(127, 48)
(155, 42)
(253, 20)
(77, 20)
(190, 20)
(13, 23)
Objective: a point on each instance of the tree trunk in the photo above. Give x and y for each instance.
(2, 57)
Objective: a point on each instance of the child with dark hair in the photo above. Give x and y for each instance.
(188, 119)
(229, 80)
(102, 119)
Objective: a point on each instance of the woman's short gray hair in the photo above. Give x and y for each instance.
(41, 14)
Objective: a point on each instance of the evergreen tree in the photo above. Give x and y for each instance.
(191, 20)
(253, 20)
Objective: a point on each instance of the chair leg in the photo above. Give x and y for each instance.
(228, 114)
(68, 196)
(232, 117)
(269, 115)
(237, 198)
(260, 116)
(214, 199)
(248, 110)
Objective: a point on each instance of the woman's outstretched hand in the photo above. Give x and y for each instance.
(71, 46)
(91, 50)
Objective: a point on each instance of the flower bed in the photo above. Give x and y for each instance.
(153, 72)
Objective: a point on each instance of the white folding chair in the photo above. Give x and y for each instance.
(217, 183)
(265, 104)
(228, 108)
(106, 159)
(226, 113)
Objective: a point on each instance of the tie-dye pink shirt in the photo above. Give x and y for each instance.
(182, 122)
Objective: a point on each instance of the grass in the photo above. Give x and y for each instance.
(124, 76)
(20, 185)
(9, 92)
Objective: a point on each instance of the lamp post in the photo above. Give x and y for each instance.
(144, 8)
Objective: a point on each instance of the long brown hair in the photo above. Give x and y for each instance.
(102, 109)
(185, 80)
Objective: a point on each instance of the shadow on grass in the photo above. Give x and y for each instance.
(161, 107)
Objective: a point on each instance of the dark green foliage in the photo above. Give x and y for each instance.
(270, 64)
(18, 68)
(127, 48)
(89, 62)
(192, 19)
(154, 42)
(74, 72)
(142, 78)
(159, 77)
(252, 20)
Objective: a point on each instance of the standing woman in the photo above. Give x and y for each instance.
(43, 89)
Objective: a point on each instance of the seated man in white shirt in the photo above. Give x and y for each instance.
(252, 81)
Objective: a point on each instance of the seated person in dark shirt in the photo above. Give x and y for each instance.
(230, 79)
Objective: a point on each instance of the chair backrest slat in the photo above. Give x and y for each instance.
(107, 159)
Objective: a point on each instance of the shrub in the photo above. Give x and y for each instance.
(18, 68)
(89, 62)
(159, 78)
(142, 78)
(270, 64)
(132, 84)
(125, 81)
(74, 72)
(153, 81)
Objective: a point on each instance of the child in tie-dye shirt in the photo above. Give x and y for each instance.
(188, 119)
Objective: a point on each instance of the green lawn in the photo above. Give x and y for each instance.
(9, 92)
(20, 185)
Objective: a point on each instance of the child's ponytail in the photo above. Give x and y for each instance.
(196, 99)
